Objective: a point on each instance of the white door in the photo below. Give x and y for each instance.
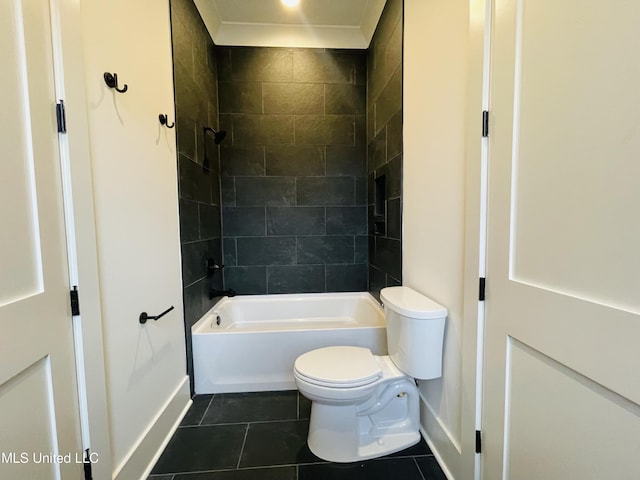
(562, 371)
(38, 399)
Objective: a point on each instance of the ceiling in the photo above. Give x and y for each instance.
(314, 23)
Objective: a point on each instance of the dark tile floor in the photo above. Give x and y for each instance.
(262, 436)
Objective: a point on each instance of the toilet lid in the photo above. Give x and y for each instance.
(339, 366)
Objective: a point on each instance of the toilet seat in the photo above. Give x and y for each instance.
(338, 367)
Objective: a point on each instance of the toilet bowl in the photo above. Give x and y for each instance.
(364, 405)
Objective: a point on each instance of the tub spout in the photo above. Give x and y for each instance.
(221, 293)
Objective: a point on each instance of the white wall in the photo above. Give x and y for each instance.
(436, 55)
(136, 212)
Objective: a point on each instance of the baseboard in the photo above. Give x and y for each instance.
(146, 451)
(429, 421)
(436, 454)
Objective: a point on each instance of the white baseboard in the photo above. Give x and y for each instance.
(430, 421)
(436, 454)
(146, 451)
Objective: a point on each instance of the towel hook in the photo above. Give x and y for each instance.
(111, 79)
(165, 121)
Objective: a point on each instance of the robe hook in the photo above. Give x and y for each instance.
(165, 121)
(111, 79)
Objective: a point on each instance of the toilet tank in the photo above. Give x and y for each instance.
(415, 331)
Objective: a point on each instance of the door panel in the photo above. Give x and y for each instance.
(563, 268)
(38, 400)
(551, 410)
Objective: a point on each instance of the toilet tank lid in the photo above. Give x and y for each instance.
(410, 303)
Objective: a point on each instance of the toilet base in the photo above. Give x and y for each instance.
(385, 423)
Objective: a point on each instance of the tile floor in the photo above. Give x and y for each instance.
(262, 436)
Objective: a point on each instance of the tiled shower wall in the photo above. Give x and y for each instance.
(293, 169)
(384, 158)
(196, 92)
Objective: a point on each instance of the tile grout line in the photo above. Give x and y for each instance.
(244, 441)
(206, 410)
(419, 469)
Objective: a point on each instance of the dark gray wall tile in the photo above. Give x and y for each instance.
(345, 99)
(322, 66)
(229, 250)
(260, 65)
(186, 136)
(394, 136)
(377, 151)
(394, 218)
(390, 100)
(296, 279)
(392, 172)
(194, 183)
(294, 160)
(266, 250)
(193, 308)
(242, 160)
(345, 160)
(325, 191)
(246, 280)
(393, 50)
(293, 98)
(393, 282)
(210, 226)
(240, 97)
(265, 191)
(262, 129)
(324, 129)
(194, 257)
(361, 190)
(387, 256)
(301, 135)
(295, 221)
(244, 221)
(228, 185)
(196, 98)
(325, 249)
(347, 220)
(361, 131)
(347, 278)
(384, 137)
(377, 281)
(361, 249)
(189, 221)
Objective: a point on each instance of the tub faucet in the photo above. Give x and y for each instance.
(221, 293)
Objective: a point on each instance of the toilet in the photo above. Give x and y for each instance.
(364, 405)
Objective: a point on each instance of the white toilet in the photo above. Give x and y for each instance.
(363, 405)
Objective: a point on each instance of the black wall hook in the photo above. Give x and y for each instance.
(165, 121)
(111, 79)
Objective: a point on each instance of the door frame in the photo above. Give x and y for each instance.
(476, 223)
(75, 158)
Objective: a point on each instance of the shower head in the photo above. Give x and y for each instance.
(217, 136)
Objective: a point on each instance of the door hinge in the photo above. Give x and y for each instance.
(75, 301)
(478, 441)
(87, 465)
(485, 123)
(61, 116)
(483, 281)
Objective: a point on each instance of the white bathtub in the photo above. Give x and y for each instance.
(260, 336)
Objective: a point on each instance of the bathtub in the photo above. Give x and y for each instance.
(249, 343)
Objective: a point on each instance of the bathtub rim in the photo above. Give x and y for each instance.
(199, 328)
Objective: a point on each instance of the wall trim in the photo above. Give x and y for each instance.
(436, 454)
(438, 421)
(151, 443)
